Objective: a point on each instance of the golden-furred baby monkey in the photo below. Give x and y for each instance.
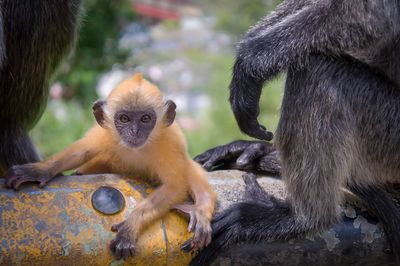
(135, 135)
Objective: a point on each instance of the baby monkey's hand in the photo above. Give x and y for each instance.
(199, 224)
(123, 245)
(20, 174)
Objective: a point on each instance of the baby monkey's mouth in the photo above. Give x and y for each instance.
(135, 143)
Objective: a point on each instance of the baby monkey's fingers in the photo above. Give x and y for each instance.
(200, 224)
(122, 246)
(202, 232)
(116, 227)
(20, 174)
(189, 210)
(200, 239)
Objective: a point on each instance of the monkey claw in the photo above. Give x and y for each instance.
(69, 223)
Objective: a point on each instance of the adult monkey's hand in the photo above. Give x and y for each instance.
(250, 156)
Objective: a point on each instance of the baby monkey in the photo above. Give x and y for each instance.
(135, 135)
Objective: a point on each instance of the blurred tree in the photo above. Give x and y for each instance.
(236, 17)
(97, 51)
(97, 47)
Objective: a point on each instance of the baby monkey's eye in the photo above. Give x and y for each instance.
(124, 118)
(145, 118)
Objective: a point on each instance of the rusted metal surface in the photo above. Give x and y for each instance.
(59, 226)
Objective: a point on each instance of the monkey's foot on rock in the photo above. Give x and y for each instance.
(20, 174)
(246, 222)
(199, 224)
(251, 156)
(202, 239)
(260, 217)
(226, 228)
(122, 246)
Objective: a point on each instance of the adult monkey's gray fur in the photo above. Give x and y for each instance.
(34, 37)
(340, 120)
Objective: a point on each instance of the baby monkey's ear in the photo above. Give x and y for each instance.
(98, 111)
(170, 112)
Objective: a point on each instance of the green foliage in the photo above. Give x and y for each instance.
(62, 123)
(66, 121)
(236, 17)
(96, 50)
(220, 126)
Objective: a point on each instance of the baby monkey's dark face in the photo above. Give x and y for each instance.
(135, 126)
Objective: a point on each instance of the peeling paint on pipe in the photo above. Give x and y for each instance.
(59, 226)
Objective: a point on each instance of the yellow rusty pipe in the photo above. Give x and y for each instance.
(58, 225)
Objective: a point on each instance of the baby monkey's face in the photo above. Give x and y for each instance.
(135, 126)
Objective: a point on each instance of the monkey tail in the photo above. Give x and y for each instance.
(16, 148)
(382, 204)
(245, 92)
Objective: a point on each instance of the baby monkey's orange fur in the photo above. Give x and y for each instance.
(163, 156)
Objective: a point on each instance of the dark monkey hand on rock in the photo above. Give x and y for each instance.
(34, 37)
(339, 125)
(252, 156)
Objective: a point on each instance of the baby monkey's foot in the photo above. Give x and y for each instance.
(123, 245)
(199, 224)
(20, 174)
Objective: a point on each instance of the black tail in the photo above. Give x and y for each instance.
(16, 148)
(379, 201)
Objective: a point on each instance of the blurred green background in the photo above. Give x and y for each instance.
(185, 47)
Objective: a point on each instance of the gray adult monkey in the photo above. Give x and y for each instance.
(339, 126)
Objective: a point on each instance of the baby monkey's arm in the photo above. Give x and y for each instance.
(173, 190)
(202, 211)
(72, 157)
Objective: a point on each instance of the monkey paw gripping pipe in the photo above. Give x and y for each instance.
(68, 223)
